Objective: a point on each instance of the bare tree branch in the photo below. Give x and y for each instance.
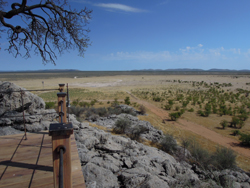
(57, 28)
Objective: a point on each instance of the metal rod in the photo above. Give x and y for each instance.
(61, 111)
(61, 169)
(68, 102)
(23, 116)
(31, 90)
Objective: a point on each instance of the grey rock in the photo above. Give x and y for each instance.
(151, 134)
(104, 178)
(245, 185)
(8, 130)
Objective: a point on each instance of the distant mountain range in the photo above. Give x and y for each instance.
(147, 70)
(195, 70)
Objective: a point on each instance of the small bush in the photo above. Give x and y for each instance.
(137, 132)
(76, 110)
(127, 101)
(128, 111)
(174, 116)
(84, 104)
(142, 110)
(224, 123)
(121, 125)
(224, 158)
(168, 144)
(102, 112)
(115, 103)
(157, 99)
(236, 132)
(177, 108)
(202, 157)
(50, 105)
(245, 139)
(191, 110)
(167, 107)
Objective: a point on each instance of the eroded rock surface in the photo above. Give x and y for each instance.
(117, 161)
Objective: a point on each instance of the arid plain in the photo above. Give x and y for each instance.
(155, 92)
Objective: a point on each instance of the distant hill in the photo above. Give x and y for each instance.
(140, 70)
(195, 70)
(45, 70)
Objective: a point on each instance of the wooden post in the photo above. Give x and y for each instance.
(60, 133)
(62, 107)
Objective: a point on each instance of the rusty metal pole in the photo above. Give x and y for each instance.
(22, 92)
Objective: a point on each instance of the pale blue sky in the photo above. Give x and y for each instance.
(160, 34)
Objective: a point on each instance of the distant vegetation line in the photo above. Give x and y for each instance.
(81, 74)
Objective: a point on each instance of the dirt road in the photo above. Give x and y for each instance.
(197, 129)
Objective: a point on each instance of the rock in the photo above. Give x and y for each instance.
(11, 99)
(8, 130)
(11, 109)
(151, 133)
(98, 176)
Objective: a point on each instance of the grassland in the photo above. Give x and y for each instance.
(230, 90)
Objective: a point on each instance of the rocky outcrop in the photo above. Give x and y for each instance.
(11, 110)
(151, 133)
(117, 161)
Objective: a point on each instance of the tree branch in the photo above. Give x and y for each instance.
(59, 27)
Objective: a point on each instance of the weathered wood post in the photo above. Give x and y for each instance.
(61, 145)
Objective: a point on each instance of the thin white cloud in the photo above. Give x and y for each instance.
(116, 6)
(191, 54)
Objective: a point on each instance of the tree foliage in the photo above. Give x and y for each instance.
(48, 26)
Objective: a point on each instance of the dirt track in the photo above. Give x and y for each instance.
(197, 129)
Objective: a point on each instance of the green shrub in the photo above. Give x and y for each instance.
(128, 111)
(115, 103)
(224, 123)
(76, 110)
(224, 158)
(167, 107)
(76, 102)
(201, 156)
(168, 144)
(235, 121)
(191, 110)
(170, 102)
(236, 132)
(102, 111)
(245, 139)
(92, 103)
(137, 132)
(157, 99)
(177, 108)
(127, 101)
(121, 125)
(84, 104)
(174, 116)
(50, 105)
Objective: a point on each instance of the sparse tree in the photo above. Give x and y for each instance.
(48, 26)
(224, 123)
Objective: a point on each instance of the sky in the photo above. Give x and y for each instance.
(160, 34)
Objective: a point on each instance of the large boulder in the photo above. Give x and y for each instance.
(11, 101)
(13, 105)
